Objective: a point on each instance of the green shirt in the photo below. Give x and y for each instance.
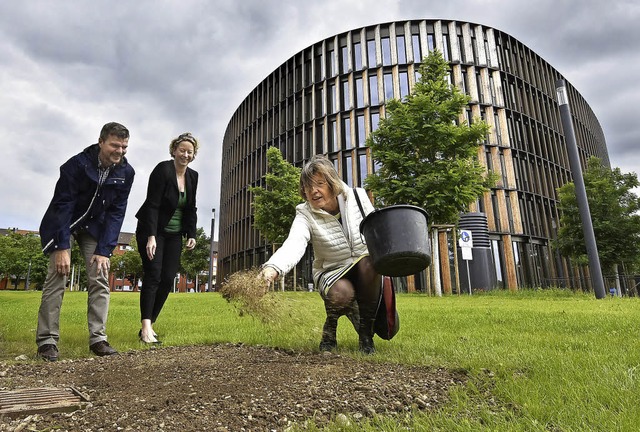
(175, 224)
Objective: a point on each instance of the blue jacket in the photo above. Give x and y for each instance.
(78, 204)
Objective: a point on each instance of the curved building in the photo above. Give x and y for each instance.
(328, 97)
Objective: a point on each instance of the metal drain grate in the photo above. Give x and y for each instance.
(41, 400)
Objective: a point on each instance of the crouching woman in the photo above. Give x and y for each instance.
(342, 270)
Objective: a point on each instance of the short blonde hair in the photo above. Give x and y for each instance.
(184, 137)
(319, 164)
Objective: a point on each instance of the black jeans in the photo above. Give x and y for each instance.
(159, 273)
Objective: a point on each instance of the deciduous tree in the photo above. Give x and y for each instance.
(424, 154)
(274, 206)
(614, 213)
(129, 264)
(196, 261)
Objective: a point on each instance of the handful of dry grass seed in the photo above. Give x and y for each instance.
(248, 292)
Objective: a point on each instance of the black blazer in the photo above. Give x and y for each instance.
(162, 201)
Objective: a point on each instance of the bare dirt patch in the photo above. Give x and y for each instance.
(227, 387)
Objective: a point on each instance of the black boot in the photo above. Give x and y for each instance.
(365, 337)
(328, 341)
(353, 314)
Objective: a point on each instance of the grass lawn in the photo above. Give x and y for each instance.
(538, 360)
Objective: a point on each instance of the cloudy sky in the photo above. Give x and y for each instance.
(165, 67)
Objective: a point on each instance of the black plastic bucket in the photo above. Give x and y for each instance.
(398, 239)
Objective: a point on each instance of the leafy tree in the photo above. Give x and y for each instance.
(39, 261)
(274, 207)
(78, 264)
(21, 257)
(614, 214)
(196, 261)
(128, 264)
(8, 253)
(428, 157)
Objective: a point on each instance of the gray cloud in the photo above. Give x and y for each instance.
(163, 67)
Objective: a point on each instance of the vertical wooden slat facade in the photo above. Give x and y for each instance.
(330, 96)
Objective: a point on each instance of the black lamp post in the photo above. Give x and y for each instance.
(213, 225)
(581, 193)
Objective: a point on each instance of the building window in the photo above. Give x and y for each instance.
(346, 133)
(307, 71)
(319, 67)
(331, 63)
(345, 96)
(461, 46)
(417, 53)
(386, 51)
(404, 84)
(361, 131)
(371, 53)
(362, 162)
(347, 170)
(373, 90)
(359, 93)
(299, 147)
(496, 249)
(308, 142)
(332, 99)
(388, 86)
(319, 103)
(402, 50)
(308, 105)
(344, 59)
(446, 48)
(431, 41)
(465, 78)
(357, 56)
(319, 137)
(375, 121)
(333, 136)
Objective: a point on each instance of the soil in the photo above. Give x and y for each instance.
(227, 387)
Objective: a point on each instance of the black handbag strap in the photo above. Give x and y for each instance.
(355, 192)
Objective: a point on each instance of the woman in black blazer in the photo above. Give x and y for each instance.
(167, 214)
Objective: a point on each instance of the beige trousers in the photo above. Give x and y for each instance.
(48, 331)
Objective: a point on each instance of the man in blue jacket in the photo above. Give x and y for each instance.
(88, 205)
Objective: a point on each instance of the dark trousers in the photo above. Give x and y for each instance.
(159, 273)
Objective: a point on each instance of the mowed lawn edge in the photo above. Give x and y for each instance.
(537, 359)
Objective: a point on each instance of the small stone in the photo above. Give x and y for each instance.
(342, 420)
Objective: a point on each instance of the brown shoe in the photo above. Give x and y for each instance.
(48, 352)
(102, 349)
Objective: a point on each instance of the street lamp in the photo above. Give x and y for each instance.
(26, 287)
(581, 192)
(213, 225)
